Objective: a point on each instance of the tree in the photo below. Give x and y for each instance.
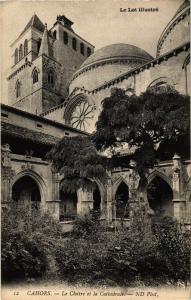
(154, 125)
(79, 161)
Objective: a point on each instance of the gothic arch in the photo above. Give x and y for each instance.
(160, 196)
(102, 191)
(121, 199)
(160, 174)
(35, 75)
(37, 178)
(117, 183)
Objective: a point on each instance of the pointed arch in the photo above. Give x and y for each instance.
(35, 75)
(116, 184)
(122, 200)
(160, 174)
(160, 196)
(37, 178)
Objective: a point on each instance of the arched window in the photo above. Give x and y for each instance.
(74, 43)
(65, 37)
(88, 51)
(25, 47)
(51, 78)
(20, 52)
(16, 56)
(82, 48)
(35, 76)
(54, 34)
(18, 89)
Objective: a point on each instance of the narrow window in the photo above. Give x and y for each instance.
(38, 45)
(54, 34)
(82, 48)
(16, 56)
(51, 78)
(65, 37)
(35, 76)
(18, 89)
(74, 43)
(20, 52)
(25, 47)
(88, 51)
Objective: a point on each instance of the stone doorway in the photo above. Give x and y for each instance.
(160, 196)
(122, 201)
(68, 206)
(25, 192)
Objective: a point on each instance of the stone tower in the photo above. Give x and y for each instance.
(43, 63)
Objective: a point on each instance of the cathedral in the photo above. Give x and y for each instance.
(55, 89)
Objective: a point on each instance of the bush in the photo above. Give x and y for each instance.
(33, 244)
(155, 255)
(27, 243)
(174, 244)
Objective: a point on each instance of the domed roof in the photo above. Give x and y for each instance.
(182, 6)
(182, 10)
(116, 51)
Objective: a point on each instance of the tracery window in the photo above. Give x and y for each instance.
(20, 52)
(25, 47)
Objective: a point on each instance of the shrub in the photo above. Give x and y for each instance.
(174, 245)
(27, 242)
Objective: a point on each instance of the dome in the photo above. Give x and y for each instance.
(177, 31)
(117, 51)
(182, 6)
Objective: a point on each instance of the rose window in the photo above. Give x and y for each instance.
(82, 116)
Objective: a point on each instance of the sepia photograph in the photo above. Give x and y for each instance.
(95, 150)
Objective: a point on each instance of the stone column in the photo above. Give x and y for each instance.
(133, 185)
(109, 210)
(85, 202)
(53, 205)
(7, 175)
(177, 187)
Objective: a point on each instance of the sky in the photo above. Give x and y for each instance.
(98, 21)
